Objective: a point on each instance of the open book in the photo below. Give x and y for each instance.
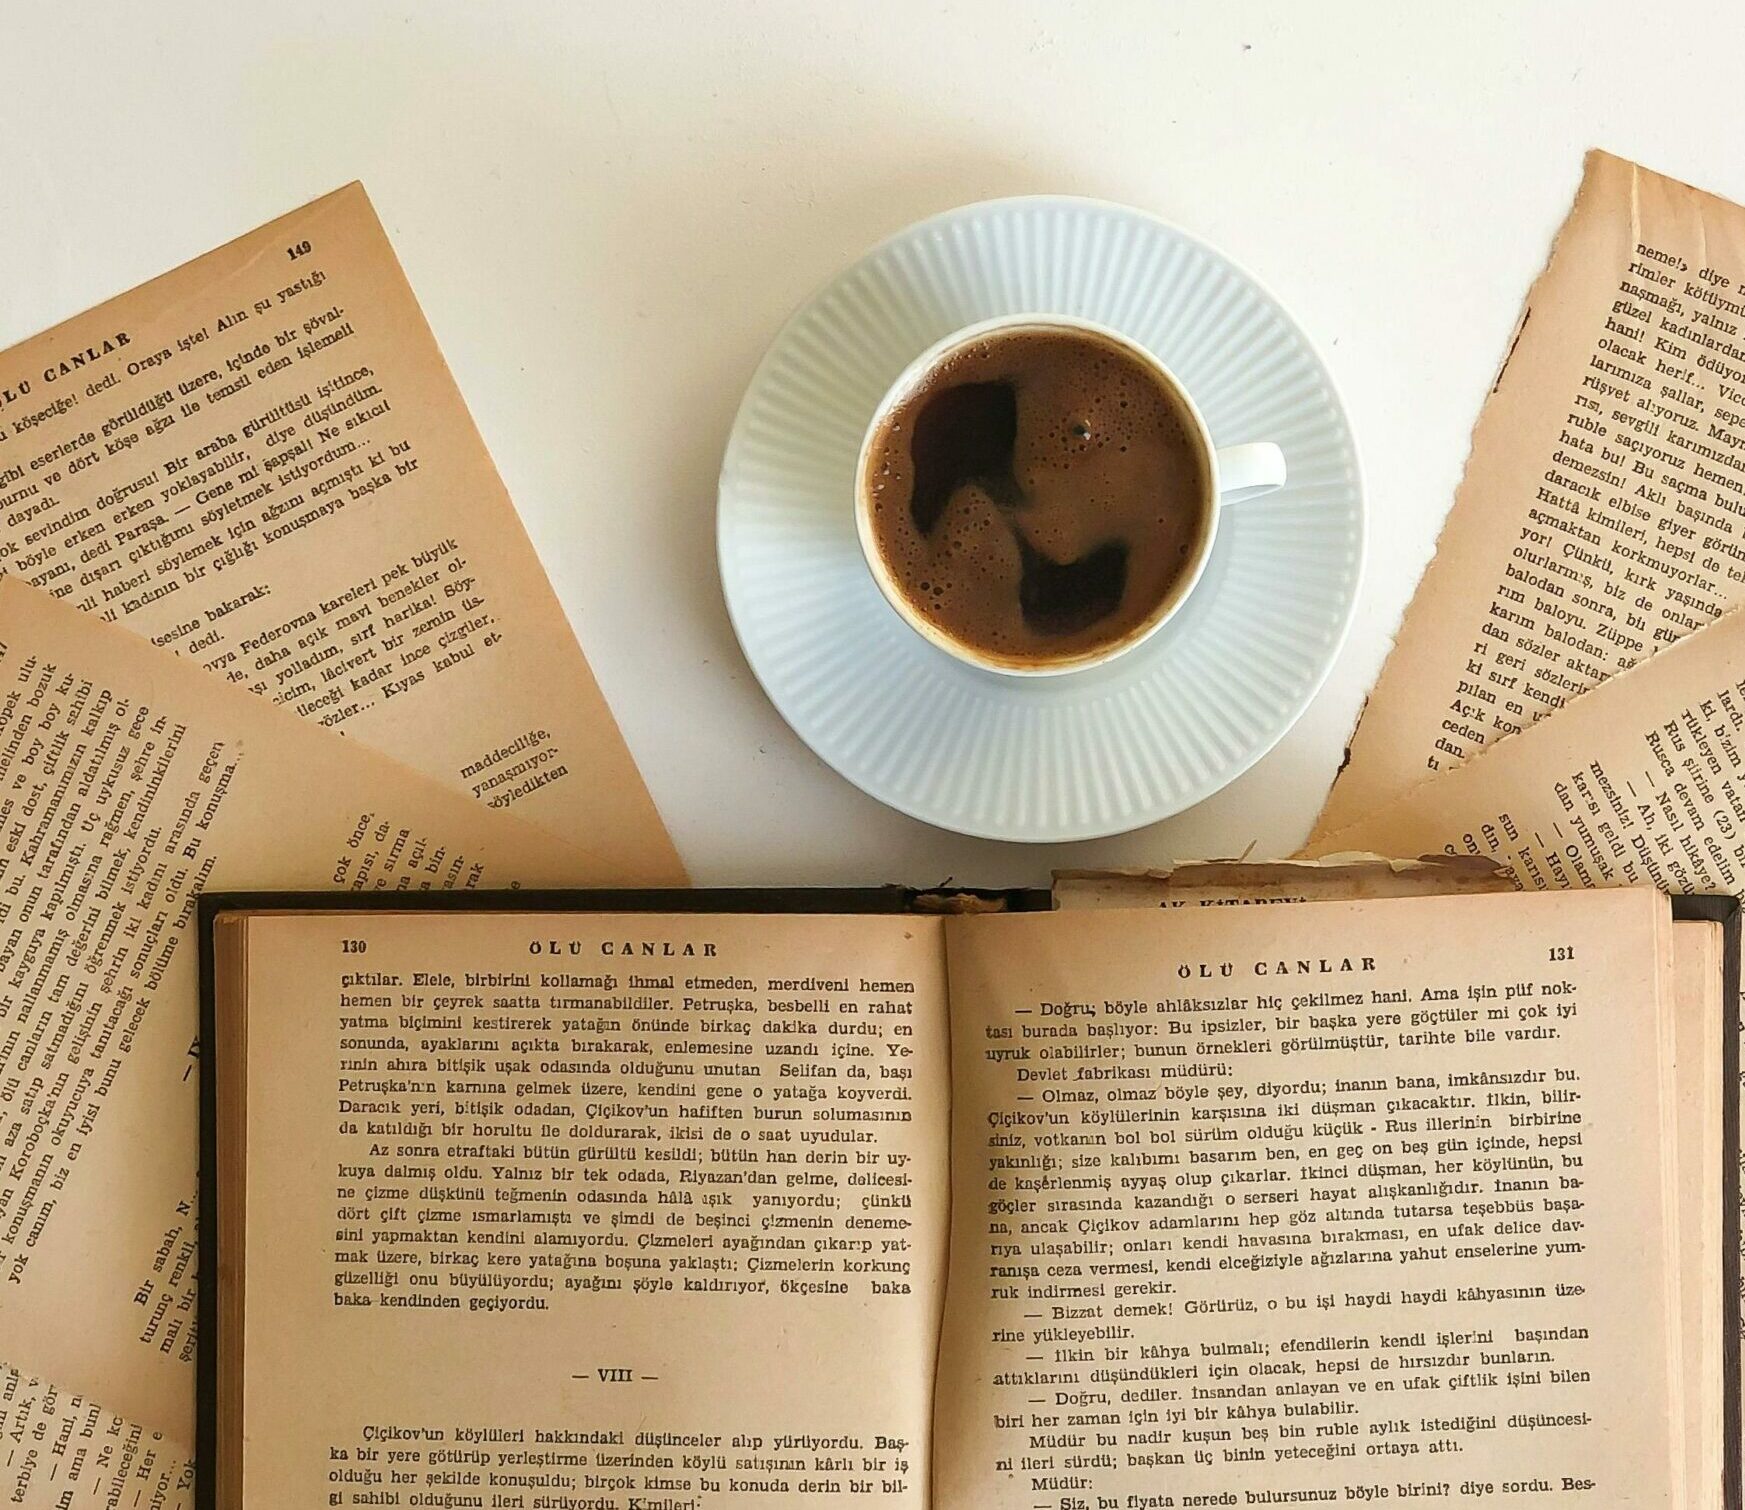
(653, 1201)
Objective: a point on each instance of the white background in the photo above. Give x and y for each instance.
(607, 209)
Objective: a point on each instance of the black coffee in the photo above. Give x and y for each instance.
(1039, 495)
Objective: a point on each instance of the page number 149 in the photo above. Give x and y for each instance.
(301, 249)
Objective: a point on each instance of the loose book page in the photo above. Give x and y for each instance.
(261, 461)
(60, 1452)
(1641, 780)
(130, 780)
(1602, 512)
(1376, 1200)
(591, 1209)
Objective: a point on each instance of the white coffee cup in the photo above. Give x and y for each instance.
(1234, 474)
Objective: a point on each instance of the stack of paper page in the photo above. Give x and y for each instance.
(250, 482)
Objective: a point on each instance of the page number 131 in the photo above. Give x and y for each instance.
(1561, 952)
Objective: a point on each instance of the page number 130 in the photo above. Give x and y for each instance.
(354, 946)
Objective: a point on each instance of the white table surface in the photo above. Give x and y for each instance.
(607, 209)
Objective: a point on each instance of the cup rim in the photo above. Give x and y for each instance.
(894, 595)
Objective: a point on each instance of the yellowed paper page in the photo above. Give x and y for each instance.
(1602, 513)
(261, 461)
(1698, 1236)
(1353, 1206)
(130, 780)
(1640, 780)
(641, 1209)
(58, 1452)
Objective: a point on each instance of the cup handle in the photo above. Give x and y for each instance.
(1249, 471)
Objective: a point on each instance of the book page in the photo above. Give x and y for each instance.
(1698, 1297)
(1602, 512)
(1641, 780)
(1370, 1198)
(131, 780)
(627, 1209)
(261, 462)
(59, 1452)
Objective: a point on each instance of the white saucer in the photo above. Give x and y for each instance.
(1093, 752)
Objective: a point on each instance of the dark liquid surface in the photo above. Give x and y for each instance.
(1038, 495)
